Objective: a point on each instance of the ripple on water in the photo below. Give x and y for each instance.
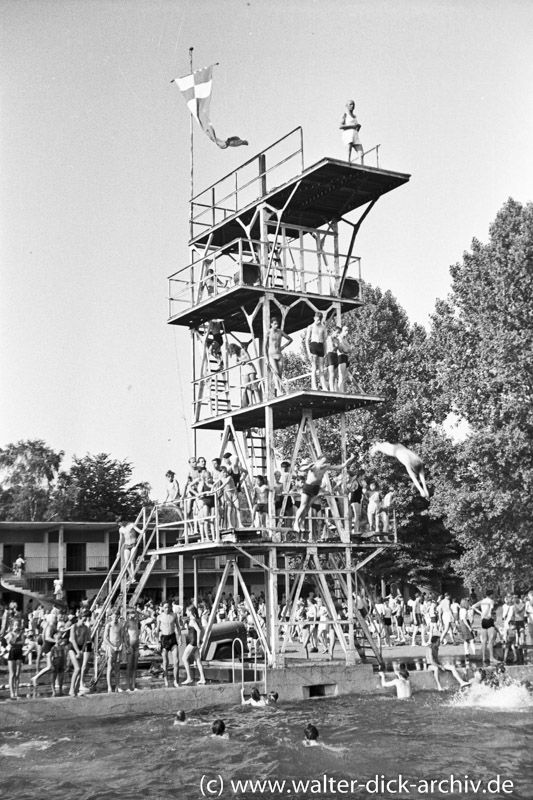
(148, 757)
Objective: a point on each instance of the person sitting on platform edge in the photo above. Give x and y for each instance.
(435, 666)
(312, 484)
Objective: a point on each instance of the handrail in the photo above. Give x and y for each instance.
(233, 643)
(200, 200)
(114, 583)
(246, 163)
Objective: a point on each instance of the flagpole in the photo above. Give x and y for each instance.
(191, 128)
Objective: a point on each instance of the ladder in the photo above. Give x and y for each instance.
(256, 451)
(119, 579)
(219, 396)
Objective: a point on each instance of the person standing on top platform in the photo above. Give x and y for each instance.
(350, 128)
(274, 348)
(315, 342)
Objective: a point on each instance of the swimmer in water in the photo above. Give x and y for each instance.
(181, 717)
(499, 677)
(255, 698)
(311, 739)
(401, 682)
(218, 728)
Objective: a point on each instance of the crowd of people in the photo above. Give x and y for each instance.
(211, 499)
(327, 349)
(60, 644)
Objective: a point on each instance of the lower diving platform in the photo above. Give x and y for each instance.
(287, 409)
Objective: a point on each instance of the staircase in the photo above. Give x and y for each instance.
(28, 585)
(121, 588)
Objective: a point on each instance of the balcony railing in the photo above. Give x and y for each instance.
(295, 266)
(37, 565)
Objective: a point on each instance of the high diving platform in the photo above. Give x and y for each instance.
(271, 253)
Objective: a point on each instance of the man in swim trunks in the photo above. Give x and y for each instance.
(485, 608)
(286, 482)
(350, 128)
(435, 666)
(113, 643)
(274, 348)
(312, 484)
(131, 643)
(315, 343)
(167, 630)
(332, 357)
(127, 542)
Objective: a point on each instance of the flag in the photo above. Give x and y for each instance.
(196, 89)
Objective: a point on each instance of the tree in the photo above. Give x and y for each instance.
(29, 469)
(390, 359)
(482, 339)
(97, 489)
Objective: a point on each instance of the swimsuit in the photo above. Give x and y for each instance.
(332, 360)
(15, 652)
(168, 642)
(311, 489)
(316, 349)
(356, 495)
(487, 623)
(191, 637)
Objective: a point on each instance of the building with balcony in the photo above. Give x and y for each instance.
(81, 554)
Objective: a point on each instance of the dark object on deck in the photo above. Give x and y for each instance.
(219, 644)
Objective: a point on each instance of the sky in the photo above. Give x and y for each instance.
(95, 169)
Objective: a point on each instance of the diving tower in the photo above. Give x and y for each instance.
(269, 241)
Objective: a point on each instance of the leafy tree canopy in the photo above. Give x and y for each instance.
(482, 342)
(28, 470)
(95, 488)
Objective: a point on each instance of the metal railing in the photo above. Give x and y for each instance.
(291, 267)
(25, 580)
(47, 564)
(250, 181)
